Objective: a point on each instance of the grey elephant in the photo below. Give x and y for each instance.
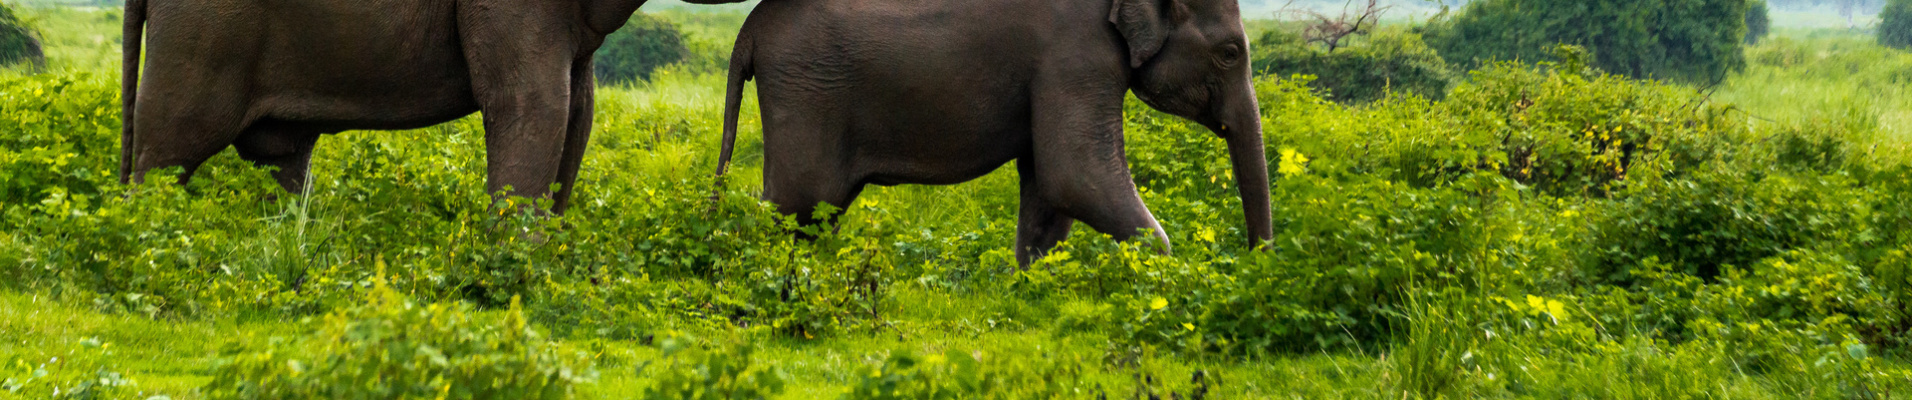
(269, 76)
(886, 92)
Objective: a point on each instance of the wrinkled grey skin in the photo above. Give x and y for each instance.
(886, 92)
(269, 76)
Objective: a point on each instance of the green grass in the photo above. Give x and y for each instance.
(1414, 261)
(1819, 77)
(174, 357)
(77, 39)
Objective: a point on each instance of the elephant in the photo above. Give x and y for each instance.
(887, 92)
(268, 77)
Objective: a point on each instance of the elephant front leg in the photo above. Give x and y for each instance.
(524, 144)
(1040, 226)
(1077, 165)
(521, 77)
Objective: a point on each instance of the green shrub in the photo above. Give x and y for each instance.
(1701, 225)
(1560, 128)
(708, 35)
(1895, 24)
(643, 45)
(693, 373)
(1345, 255)
(19, 43)
(1390, 60)
(1567, 130)
(1758, 23)
(392, 348)
(957, 374)
(1372, 201)
(1692, 41)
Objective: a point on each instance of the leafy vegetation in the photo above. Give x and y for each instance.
(19, 43)
(643, 45)
(1895, 24)
(391, 348)
(1362, 71)
(1758, 22)
(1535, 231)
(690, 372)
(1691, 41)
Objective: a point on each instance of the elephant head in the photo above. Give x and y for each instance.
(1190, 58)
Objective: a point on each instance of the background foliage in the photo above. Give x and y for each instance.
(1543, 230)
(19, 43)
(1895, 26)
(1759, 22)
(1691, 41)
(643, 45)
(1367, 70)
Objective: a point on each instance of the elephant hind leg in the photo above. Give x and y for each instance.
(162, 140)
(802, 198)
(577, 133)
(280, 145)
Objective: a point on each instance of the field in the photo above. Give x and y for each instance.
(1541, 232)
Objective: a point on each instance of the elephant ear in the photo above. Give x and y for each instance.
(1144, 24)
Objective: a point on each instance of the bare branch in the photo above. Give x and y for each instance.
(1329, 31)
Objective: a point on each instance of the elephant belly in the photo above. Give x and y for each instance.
(909, 103)
(394, 64)
(937, 145)
(360, 64)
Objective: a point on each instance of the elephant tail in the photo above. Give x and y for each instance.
(741, 71)
(134, 29)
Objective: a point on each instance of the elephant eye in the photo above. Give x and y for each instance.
(1230, 54)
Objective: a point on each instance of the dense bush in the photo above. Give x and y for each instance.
(1712, 221)
(1391, 60)
(643, 45)
(392, 348)
(1549, 179)
(1693, 41)
(958, 374)
(1758, 23)
(18, 41)
(1895, 24)
(691, 372)
(1542, 231)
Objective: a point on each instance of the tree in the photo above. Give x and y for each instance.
(1757, 22)
(18, 41)
(1390, 60)
(1691, 41)
(1330, 31)
(1895, 25)
(643, 45)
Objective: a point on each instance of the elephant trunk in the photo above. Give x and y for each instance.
(1241, 128)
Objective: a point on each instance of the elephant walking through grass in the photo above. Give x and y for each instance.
(270, 76)
(886, 92)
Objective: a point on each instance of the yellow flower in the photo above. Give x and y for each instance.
(1292, 162)
(1190, 327)
(1158, 303)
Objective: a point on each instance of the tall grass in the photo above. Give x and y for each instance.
(1505, 242)
(1842, 80)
